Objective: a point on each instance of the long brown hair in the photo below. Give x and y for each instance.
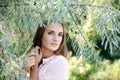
(37, 40)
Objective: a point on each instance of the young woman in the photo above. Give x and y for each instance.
(48, 62)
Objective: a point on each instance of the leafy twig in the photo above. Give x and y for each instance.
(77, 25)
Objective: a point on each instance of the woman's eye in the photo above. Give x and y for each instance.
(60, 34)
(50, 32)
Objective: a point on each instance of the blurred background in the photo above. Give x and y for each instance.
(93, 35)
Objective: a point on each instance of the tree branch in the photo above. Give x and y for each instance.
(18, 27)
(77, 25)
(3, 5)
(29, 29)
(72, 4)
(90, 5)
(6, 5)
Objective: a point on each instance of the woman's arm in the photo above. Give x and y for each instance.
(34, 72)
(34, 68)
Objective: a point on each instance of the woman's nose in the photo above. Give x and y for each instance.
(55, 37)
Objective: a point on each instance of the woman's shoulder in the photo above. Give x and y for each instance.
(58, 68)
(59, 62)
(59, 59)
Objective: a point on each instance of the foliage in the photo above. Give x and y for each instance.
(80, 69)
(86, 21)
(108, 71)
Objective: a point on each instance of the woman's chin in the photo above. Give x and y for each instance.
(53, 49)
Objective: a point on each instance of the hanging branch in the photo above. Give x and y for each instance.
(72, 4)
(77, 25)
(18, 27)
(90, 5)
(6, 5)
(3, 5)
(29, 29)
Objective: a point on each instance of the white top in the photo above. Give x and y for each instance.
(54, 68)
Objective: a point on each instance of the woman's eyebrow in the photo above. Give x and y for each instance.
(54, 31)
(61, 32)
(50, 30)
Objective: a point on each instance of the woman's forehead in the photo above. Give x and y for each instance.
(55, 26)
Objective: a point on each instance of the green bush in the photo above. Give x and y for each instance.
(80, 69)
(107, 72)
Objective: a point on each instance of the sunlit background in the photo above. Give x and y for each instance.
(93, 36)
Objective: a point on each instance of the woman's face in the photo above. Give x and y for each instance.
(52, 36)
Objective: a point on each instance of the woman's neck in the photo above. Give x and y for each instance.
(47, 53)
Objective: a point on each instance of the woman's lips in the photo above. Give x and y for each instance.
(54, 44)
